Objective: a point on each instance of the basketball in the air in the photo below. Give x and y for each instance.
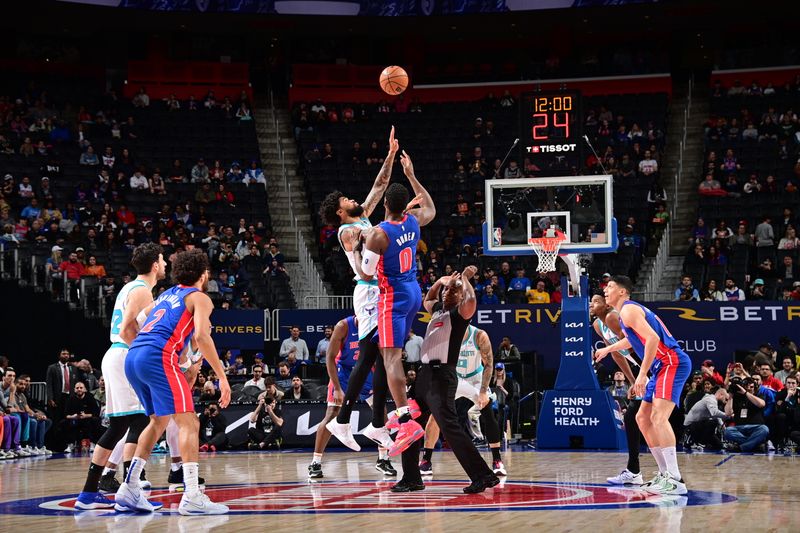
(394, 80)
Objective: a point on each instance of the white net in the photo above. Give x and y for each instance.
(547, 251)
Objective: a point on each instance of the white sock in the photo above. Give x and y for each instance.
(190, 478)
(116, 454)
(671, 458)
(175, 466)
(172, 439)
(107, 470)
(135, 471)
(317, 458)
(659, 457)
(383, 453)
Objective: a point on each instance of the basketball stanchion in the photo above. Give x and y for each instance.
(577, 413)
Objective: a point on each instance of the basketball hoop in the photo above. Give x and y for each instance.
(546, 248)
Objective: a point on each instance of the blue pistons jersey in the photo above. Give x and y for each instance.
(169, 325)
(152, 365)
(350, 351)
(398, 263)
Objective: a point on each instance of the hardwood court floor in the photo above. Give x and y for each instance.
(551, 491)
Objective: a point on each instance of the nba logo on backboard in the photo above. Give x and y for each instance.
(497, 237)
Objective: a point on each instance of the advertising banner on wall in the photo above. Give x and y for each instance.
(301, 418)
(705, 330)
(240, 329)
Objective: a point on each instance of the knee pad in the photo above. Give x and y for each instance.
(137, 425)
(117, 427)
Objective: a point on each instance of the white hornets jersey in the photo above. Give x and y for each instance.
(362, 223)
(470, 362)
(119, 308)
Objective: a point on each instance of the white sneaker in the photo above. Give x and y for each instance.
(656, 479)
(344, 433)
(770, 446)
(46, 451)
(69, 448)
(668, 485)
(626, 477)
(379, 435)
(22, 452)
(3, 455)
(199, 503)
(133, 500)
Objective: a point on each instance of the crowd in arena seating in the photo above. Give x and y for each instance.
(744, 245)
(81, 188)
(455, 148)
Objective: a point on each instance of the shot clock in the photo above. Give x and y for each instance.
(551, 125)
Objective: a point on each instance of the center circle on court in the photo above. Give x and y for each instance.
(376, 497)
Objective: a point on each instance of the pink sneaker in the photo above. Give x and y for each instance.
(394, 420)
(408, 433)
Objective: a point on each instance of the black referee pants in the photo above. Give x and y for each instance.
(435, 393)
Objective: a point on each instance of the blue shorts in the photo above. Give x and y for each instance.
(397, 308)
(344, 379)
(158, 381)
(668, 376)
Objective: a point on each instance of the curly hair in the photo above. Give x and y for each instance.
(396, 198)
(329, 207)
(144, 256)
(187, 267)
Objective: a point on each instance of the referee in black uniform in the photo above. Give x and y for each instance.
(435, 387)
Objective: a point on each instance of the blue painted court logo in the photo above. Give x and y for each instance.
(376, 497)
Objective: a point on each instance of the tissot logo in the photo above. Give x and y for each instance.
(547, 148)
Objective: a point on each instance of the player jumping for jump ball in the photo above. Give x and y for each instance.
(353, 220)
(670, 368)
(390, 250)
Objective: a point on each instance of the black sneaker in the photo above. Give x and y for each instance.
(482, 485)
(109, 483)
(385, 466)
(315, 471)
(175, 480)
(480, 443)
(406, 486)
(144, 482)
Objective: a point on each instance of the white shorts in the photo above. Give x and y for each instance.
(365, 306)
(469, 388)
(121, 399)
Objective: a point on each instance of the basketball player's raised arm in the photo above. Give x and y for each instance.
(612, 321)
(470, 302)
(487, 358)
(367, 255)
(201, 307)
(138, 300)
(382, 180)
(334, 347)
(427, 210)
(634, 317)
(432, 296)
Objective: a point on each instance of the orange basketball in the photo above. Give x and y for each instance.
(394, 80)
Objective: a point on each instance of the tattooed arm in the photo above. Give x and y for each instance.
(382, 180)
